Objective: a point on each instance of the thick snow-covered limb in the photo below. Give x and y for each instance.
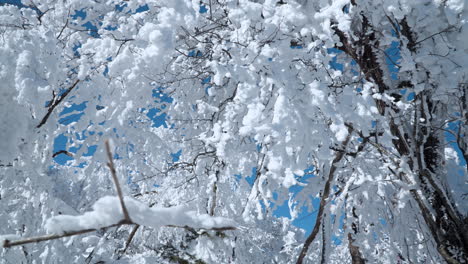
(107, 211)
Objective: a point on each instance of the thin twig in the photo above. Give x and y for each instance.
(223, 228)
(111, 166)
(8, 243)
(129, 240)
(56, 103)
(324, 199)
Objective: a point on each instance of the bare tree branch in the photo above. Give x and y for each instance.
(324, 199)
(111, 166)
(8, 243)
(55, 103)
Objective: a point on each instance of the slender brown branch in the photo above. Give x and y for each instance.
(8, 243)
(324, 199)
(356, 256)
(111, 166)
(56, 103)
(62, 152)
(224, 228)
(63, 28)
(130, 238)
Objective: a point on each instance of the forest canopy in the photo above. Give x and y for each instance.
(178, 131)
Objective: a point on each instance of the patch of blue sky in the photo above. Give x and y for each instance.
(334, 64)
(111, 28)
(281, 210)
(91, 150)
(346, 8)
(383, 222)
(20, 4)
(76, 48)
(259, 147)
(75, 149)
(337, 240)
(157, 119)
(60, 143)
(142, 8)
(176, 156)
(120, 7)
(409, 96)
(338, 236)
(74, 107)
(81, 136)
(452, 130)
(306, 218)
(207, 89)
(308, 174)
(79, 14)
(130, 148)
(355, 72)
(155, 114)
(160, 96)
(81, 165)
(17, 3)
(74, 117)
(203, 9)
(308, 214)
(92, 29)
(392, 59)
(70, 119)
(238, 177)
(253, 176)
(297, 46)
(206, 80)
(195, 54)
(130, 183)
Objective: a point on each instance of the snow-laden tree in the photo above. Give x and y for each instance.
(359, 104)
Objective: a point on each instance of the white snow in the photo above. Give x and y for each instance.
(340, 131)
(107, 211)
